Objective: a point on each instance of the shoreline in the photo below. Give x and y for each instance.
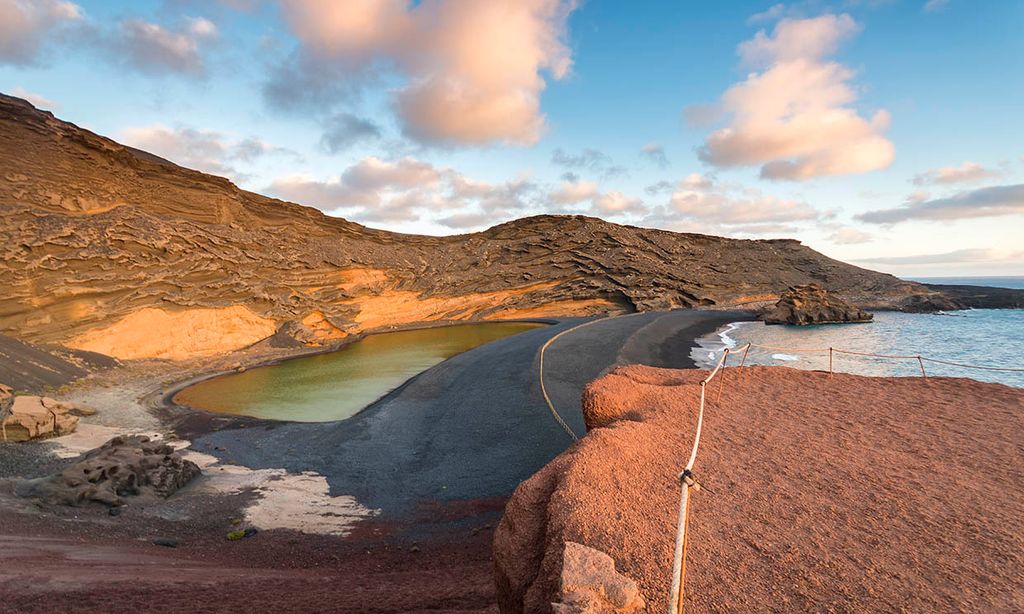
(953, 339)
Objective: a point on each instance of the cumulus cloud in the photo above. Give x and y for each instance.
(655, 153)
(203, 150)
(613, 203)
(152, 48)
(343, 130)
(849, 236)
(983, 202)
(474, 70)
(36, 99)
(26, 24)
(572, 192)
(702, 204)
(794, 116)
(376, 190)
(967, 172)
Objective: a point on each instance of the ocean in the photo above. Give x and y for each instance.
(984, 337)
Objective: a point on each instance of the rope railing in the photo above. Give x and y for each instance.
(686, 479)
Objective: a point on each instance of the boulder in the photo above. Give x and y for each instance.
(32, 417)
(124, 466)
(590, 584)
(812, 304)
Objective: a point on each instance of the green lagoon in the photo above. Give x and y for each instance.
(337, 385)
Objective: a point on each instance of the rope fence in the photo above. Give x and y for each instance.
(686, 478)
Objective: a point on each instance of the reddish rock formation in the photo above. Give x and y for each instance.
(104, 242)
(812, 304)
(26, 417)
(840, 493)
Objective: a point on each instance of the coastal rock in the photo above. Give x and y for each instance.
(812, 304)
(930, 303)
(124, 466)
(590, 584)
(32, 417)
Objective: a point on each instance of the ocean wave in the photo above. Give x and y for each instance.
(786, 357)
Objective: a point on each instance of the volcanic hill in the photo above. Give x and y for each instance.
(105, 245)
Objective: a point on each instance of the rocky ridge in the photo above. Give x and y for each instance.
(103, 243)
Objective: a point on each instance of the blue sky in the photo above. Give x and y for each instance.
(880, 132)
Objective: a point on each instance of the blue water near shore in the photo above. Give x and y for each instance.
(986, 337)
(1011, 281)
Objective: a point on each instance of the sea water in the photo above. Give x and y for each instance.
(984, 337)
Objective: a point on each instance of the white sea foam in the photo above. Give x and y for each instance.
(786, 357)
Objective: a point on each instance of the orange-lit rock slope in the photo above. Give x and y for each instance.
(94, 233)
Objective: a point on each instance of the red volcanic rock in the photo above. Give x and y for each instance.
(840, 493)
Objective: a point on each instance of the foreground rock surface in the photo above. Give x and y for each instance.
(123, 467)
(26, 417)
(812, 304)
(823, 494)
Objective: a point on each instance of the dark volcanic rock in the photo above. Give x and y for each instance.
(812, 304)
(124, 466)
(930, 303)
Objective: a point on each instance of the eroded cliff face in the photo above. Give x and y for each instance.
(97, 238)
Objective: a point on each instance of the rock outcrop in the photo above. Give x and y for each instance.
(123, 467)
(814, 498)
(590, 585)
(103, 241)
(30, 417)
(812, 304)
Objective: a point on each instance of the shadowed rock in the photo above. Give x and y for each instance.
(123, 467)
(812, 304)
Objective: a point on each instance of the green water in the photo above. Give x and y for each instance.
(336, 385)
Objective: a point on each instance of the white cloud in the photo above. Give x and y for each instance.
(983, 202)
(151, 48)
(36, 99)
(967, 172)
(700, 204)
(960, 256)
(25, 25)
(474, 70)
(794, 118)
(571, 192)
(849, 236)
(770, 14)
(408, 189)
(204, 150)
(613, 203)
